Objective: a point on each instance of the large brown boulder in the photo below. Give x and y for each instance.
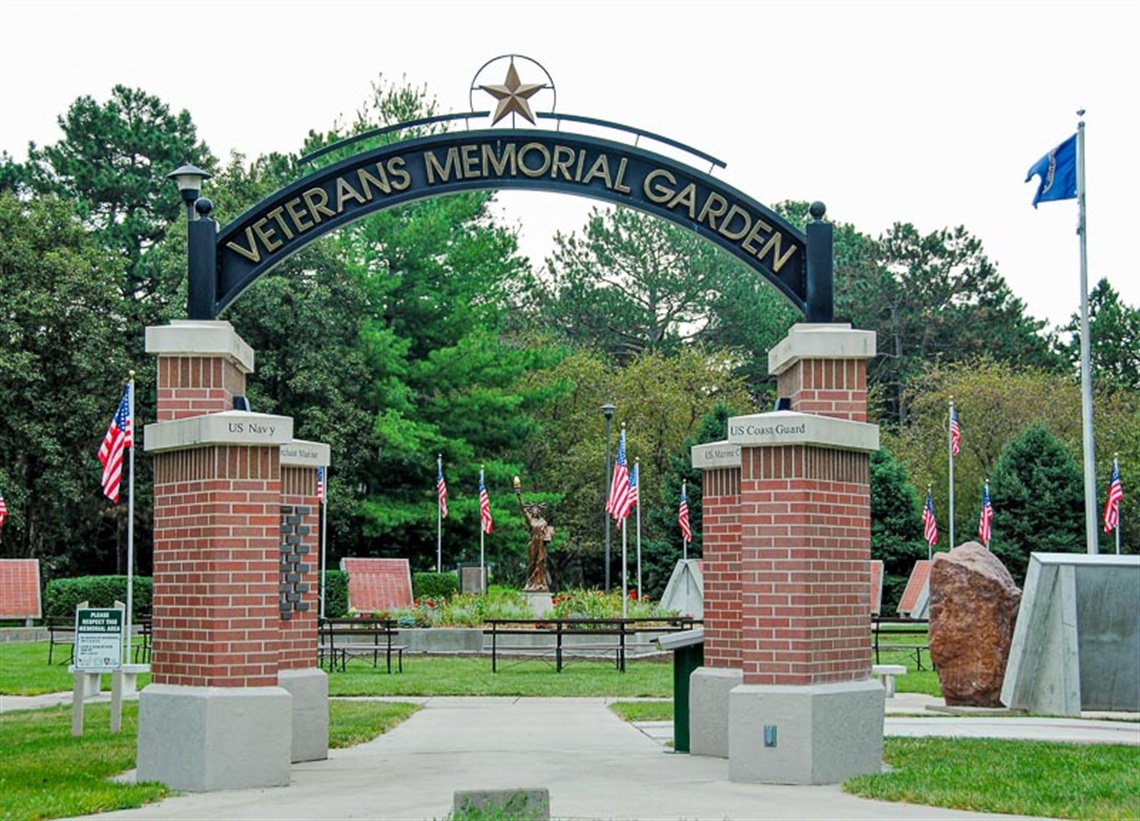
(973, 608)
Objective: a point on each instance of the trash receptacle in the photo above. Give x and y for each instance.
(688, 648)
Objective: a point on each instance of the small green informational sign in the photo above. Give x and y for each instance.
(98, 639)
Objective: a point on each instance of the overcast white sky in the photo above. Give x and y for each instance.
(927, 112)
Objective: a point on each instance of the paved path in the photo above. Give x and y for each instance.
(595, 766)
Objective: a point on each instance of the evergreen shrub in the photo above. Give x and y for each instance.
(336, 594)
(434, 585)
(62, 596)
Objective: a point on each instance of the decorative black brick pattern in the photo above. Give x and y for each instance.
(293, 568)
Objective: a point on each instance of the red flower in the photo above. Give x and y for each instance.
(633, 595)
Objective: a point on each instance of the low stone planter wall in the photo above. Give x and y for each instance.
(442, 639)
(23, 634)
(473, 640)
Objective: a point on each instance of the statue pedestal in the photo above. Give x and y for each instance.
(540, 603)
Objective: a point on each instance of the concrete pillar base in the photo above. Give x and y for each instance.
(812, 734)
(200, 739)
(310, 690)
(540, 603)
(709, 689)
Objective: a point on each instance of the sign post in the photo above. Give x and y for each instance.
(98, 650)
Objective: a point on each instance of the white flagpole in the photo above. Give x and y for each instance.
(324, 538)
(1091, 518)
(482, 536)
(637, 466)
(1116, 472)
(684, 541)
(438, 517)
(130, 522)
(624, 572)
(950, 451)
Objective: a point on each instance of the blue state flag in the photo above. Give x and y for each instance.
(1058, 173)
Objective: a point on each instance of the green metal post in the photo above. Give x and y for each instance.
(685, 661)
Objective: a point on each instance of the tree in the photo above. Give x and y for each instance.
(661, 400)
(632, 283)
(1114, 335)
(113, 161)
(995, 402)
(63, 369)
(937, 297)
(437, 373)
(896, 527)
(665, 548)
(1038, 500)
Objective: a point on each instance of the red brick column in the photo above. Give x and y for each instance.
(805, 514)
(805, 553)
(216, 514)
(298, 619)
(217, 517)
(720, 561)
(835, 388)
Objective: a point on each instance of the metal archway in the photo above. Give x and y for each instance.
(223, 264)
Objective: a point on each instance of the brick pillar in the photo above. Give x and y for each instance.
(298, 566)
(214, 716)
(710, 684)
(720, 561)
(807, 711)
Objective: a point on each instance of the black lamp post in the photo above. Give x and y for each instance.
(201, 279)
(189, 180)
(608, 410)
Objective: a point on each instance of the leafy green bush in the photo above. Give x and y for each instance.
(336, 594)
(62, 596)
(594, 604)
(434, 585)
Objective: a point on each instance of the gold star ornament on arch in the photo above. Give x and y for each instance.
(513, 96)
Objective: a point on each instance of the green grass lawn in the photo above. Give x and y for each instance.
(24, 671)
(465, 676)
(1083, 781)
(45, 772)
(1097, 782)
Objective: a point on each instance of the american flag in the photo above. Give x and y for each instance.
(120, 436)
(631, 497)
(984, 529)
(683, 516)
(1111, 507)
(485, 506)
(320, 484)
(3, 510)
(619, 484)
(929, 525)
(441, 488)
(955, 432)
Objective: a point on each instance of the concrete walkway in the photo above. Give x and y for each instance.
(595, 766)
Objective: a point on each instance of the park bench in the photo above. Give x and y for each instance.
(341, 640)
(563, 640)
(886, 674)
(141, 651)
(884, 629)
(61, 632)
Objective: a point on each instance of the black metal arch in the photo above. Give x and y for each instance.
(223, 264)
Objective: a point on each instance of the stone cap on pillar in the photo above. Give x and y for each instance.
(200, 337)
(713, 455)
(834, 341)
(303, 454)
(227, 428)
(779, 428)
